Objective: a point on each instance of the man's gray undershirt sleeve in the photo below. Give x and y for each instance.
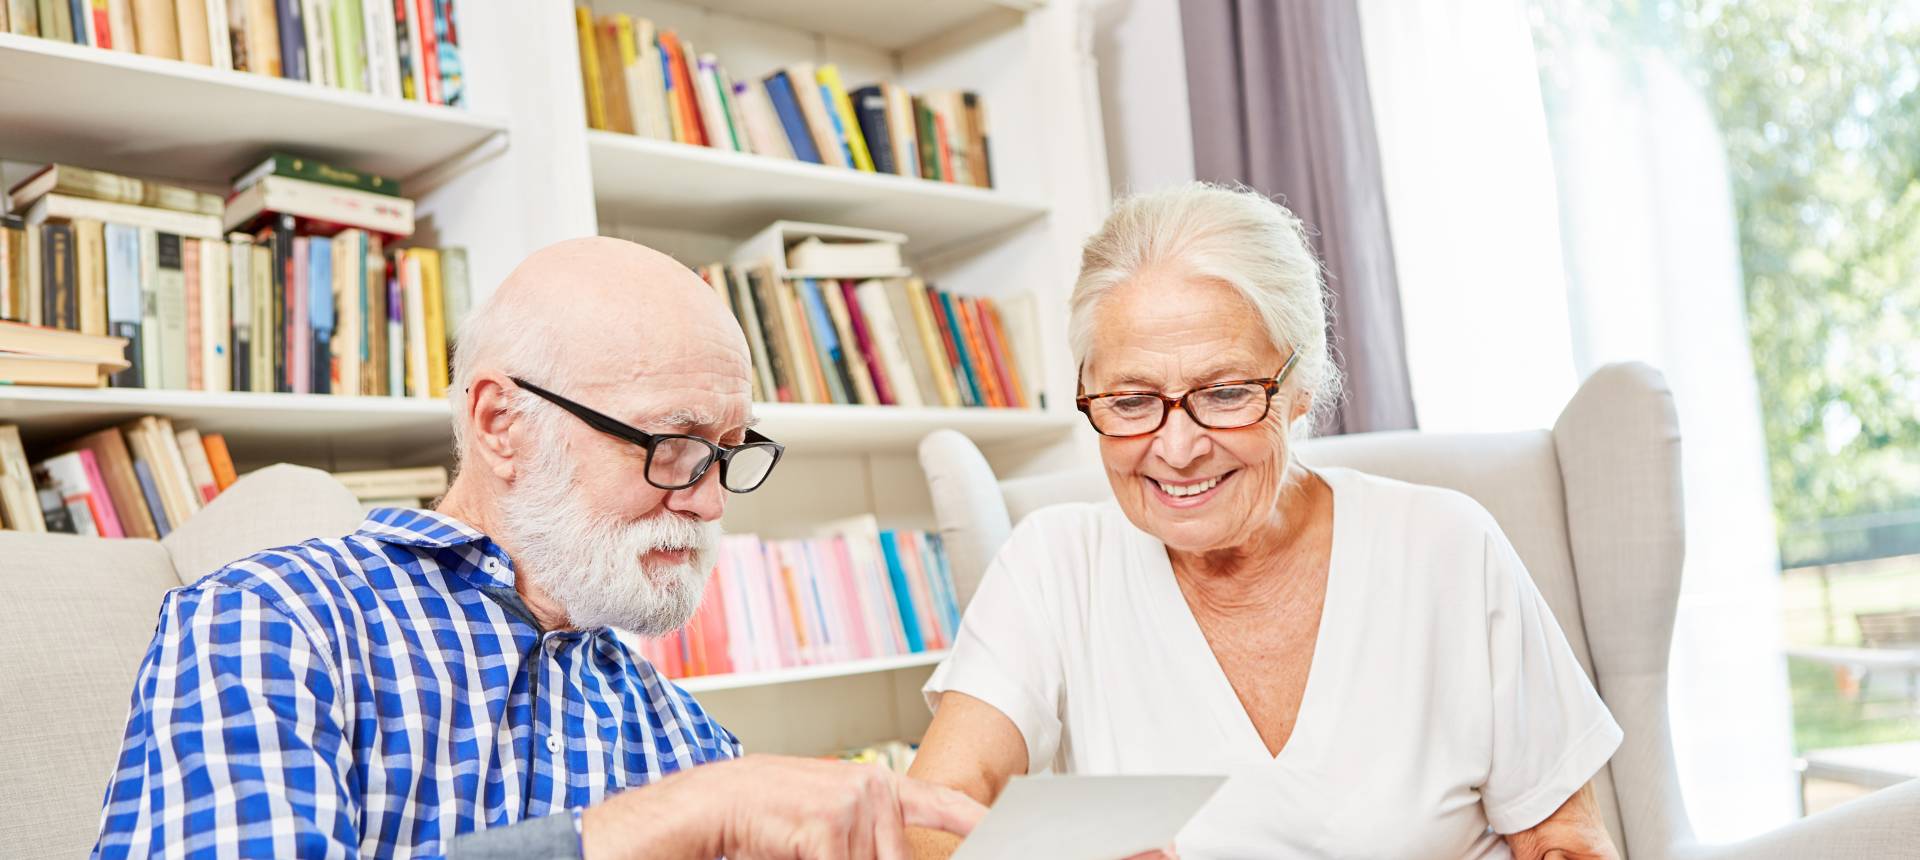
(548, 838)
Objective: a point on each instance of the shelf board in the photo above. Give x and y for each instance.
(262, 425)
(742, 680)
(815, 428)
(146, 116)
(888, 24)
(259, 426)
(679, 186)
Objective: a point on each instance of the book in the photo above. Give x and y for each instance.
(901, 125)
(216, 317)
(158, 28)
(383, 51)
(453, 85)
(61, 207)
(290, 166)
(407, 45)
(426, 482)
(18, 499)
(922, 349)
(60, 517)
(765, 135)
(39, 340)
(889, 341)
(320, 288)
(73, 181)
(263, 37)
(30, 291)
(298, 333)
(76, 477)
(13, 238)
(819, 121)
(90, 276)
(23, 17)
(322, 208)
(714, 122)
(862, 387)
(616, 108)
(433, 309)
(193, 452)
(56, 370)
(974, 122)
(350, 46)
(413, 295)
(59, 291)
(313, 21)
(126, 300)
(948, 332)
(840, 106)
(763, 287)
(190, 269)
(927, 137)
(830, 355)
(293, 38)
(816, 256)
(191, 29)
(108, 448)
(870, 115)
(457, 291)
(429, 55)
(219, 459)
(170, 313)
(646, 84)
(793, 122)
(150, 493)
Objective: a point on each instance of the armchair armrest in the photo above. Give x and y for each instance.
(1883, 824)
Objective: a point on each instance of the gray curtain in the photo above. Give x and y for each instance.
(1278, 94)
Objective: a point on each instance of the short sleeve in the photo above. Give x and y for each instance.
(1006, 653)
(1551, 732)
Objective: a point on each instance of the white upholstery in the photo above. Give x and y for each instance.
(1594, 509)
(76, 615)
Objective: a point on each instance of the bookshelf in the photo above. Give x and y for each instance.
(145, 116)
(518, 169)
(660, 183)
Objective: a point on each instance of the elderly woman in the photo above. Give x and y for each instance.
(1367, 660)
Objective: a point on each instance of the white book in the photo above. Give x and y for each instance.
(216, 322)
(819, 117)
(30, 276)
(66, 475)
(886, 335)
(415, 50)
(349, 300)
(174, 464)
(314, 15)
(902, 128)
(416, 322)
(713, 114)
(424, 482)
(219, 34)
(150, 350)
(383, 50)
(347, 207)
(764, 132)
(120, 20)
(240, 301)
(818, 257)
(61, 206)
(736, 116)
(193, 452)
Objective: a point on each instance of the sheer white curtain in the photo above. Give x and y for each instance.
(1552, 235)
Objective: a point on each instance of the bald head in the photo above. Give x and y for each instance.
(599, 315)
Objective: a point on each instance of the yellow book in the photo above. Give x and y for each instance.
(629, 49)
(829, 77)
(934, 344)
(590, 68)
(90, 253)
(434, 301)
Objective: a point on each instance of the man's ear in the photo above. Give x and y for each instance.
(490, 419)
(1299, 406)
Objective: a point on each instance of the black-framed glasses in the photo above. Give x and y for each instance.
(676, 461)
(1226, 405)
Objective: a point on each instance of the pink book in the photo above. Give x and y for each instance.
(868, 350)
(835, 591)
(780, 598)
(853, 608)
(922, 589)
(300, 371)
(190, 266)
(104, 515)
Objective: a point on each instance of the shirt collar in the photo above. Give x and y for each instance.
(418, 528)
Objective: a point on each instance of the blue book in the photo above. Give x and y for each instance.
(839, 130)
(870, 110)
(293, 40)
(933, 554)
(832, 358)
(144, 474)
(79, 8)
(787, 108)
(124, 298)
(968, 381)
(902, 593)
(320, 311)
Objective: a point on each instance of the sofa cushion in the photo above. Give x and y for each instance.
(76, 618)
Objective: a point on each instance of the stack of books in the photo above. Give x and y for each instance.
(291, 284)
(875, 342)
(649, 82)
(142, 479)
(394, 48)
(30, 355)
(859, 594)
(396, 488)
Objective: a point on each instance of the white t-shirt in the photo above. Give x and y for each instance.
(1443, 705)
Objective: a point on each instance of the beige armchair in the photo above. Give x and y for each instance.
(1594, 509)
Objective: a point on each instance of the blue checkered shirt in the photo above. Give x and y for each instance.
(374, 696)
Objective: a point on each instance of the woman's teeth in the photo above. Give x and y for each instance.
(1194, 489)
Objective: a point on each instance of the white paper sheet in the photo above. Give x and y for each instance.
(1087, 817)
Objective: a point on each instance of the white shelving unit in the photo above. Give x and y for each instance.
(518, 169)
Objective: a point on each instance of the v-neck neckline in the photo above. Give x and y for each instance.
(1223, 700)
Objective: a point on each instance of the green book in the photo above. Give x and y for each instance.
(929, 141)
(301, 167)
(349, 50)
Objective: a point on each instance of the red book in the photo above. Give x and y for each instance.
(429, 58)
(996, 352)
(686, 105)
(941, 323)
(714, 628)
(99, 500)
(190, 266)
(102, 36)
(946, 154)
(999, 332)
(982, 369)
(870, 353)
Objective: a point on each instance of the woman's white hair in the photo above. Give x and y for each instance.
(1236, 236)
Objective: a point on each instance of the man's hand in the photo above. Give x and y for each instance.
(775, 808)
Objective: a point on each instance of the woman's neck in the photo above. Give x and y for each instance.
(1259, 571)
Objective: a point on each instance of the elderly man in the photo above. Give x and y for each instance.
(445, 682)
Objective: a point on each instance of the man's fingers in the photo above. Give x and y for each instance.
(924, 804)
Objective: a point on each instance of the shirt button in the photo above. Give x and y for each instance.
(553, 744)
(492, 565)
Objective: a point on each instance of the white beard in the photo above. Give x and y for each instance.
(595, 567)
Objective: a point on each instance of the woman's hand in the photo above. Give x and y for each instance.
(775, 808)
(1572, 832)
